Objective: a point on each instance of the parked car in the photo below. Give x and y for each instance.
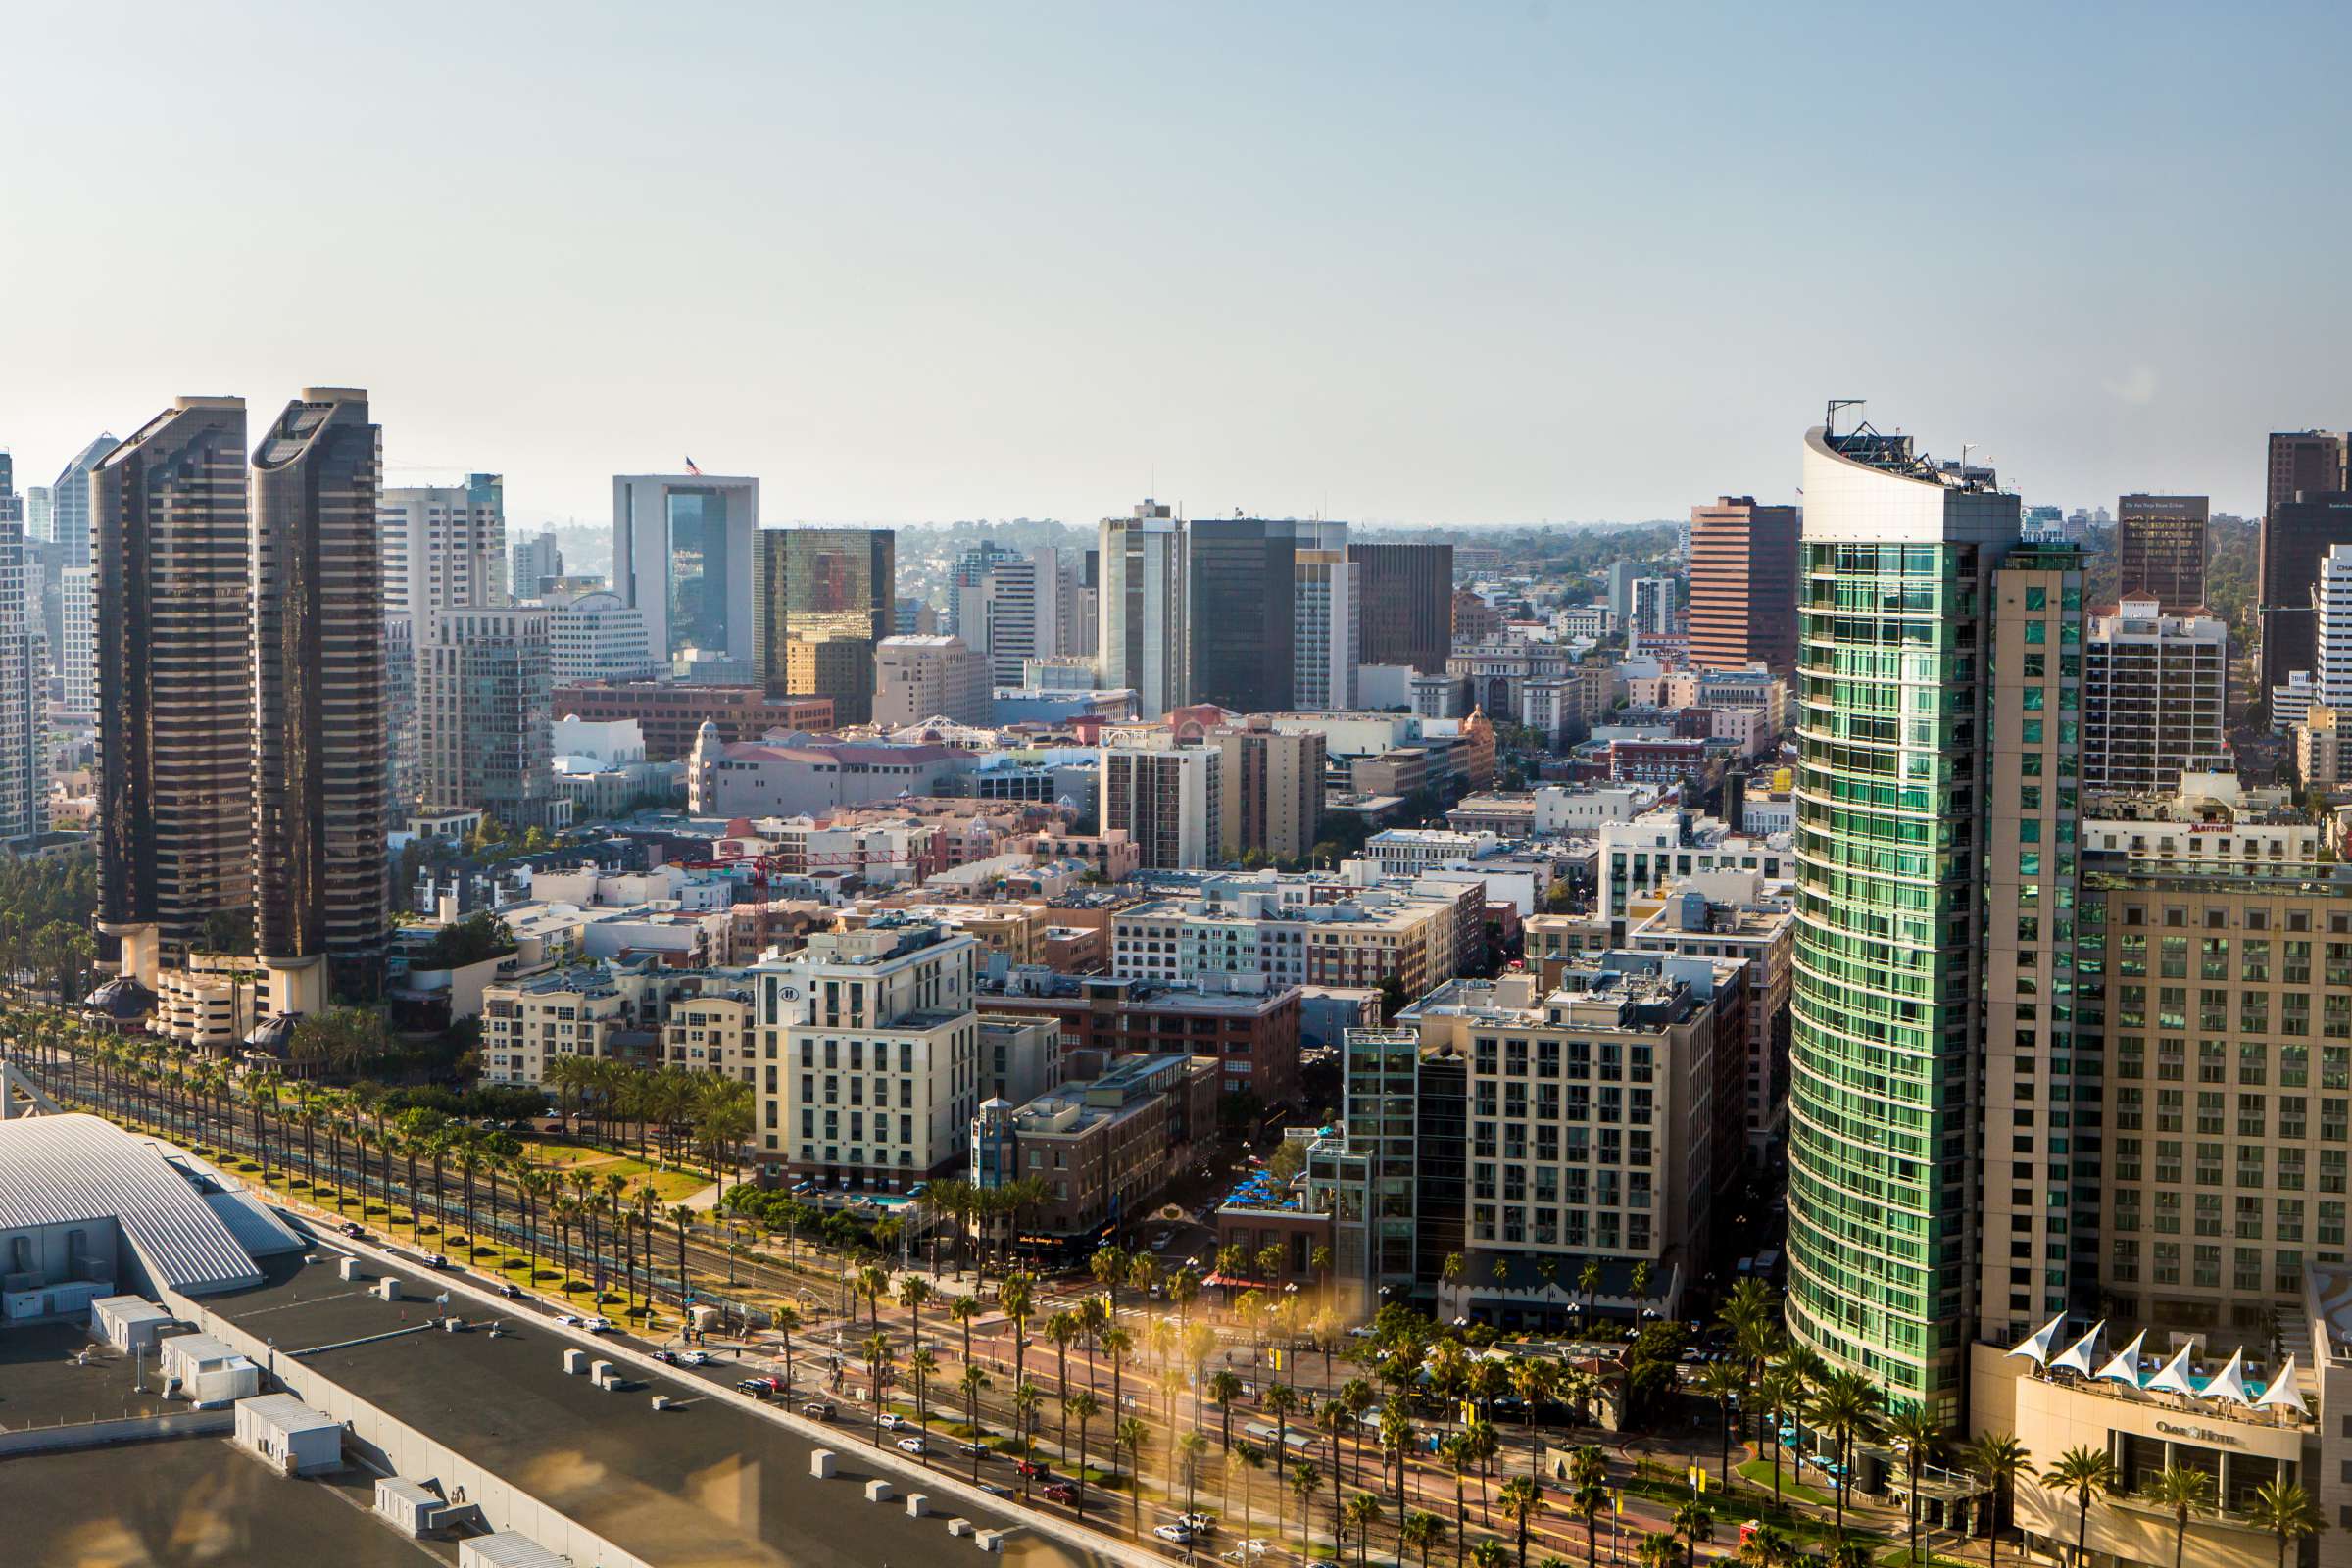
(1198, 1523)
(819, 1410)
(973, 1451)
(510, 1289)
(569, 1320)
(910, 1445)
(756, 1388)
(436, 1260)
(666, 1357)
(353, 1228)
(1034, 1469)
(596, 1323)
(995, 1490)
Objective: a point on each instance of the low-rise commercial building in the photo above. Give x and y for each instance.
(670, 715)
(1102, 1148)
(1251, 1028)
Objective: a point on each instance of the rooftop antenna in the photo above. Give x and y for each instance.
(1830, 420)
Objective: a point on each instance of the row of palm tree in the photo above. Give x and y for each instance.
(674, 1110)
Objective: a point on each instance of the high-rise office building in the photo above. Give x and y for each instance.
(1146, 633)
(535, 560)
(12, 505)
(832, 656)
(1014, 612)
(2331, 607)
(322, 918)
(593, 636)
(444, 547)
(683, 552)
(1894, 607)
(2155, 696)
(920, 678)
(1243, 608)
(77, 622)
(2160, 546)
(23, 758)
(483, 692)
(1743, 585)
(2296, 536)
(40, 513)
(966, 573)
(1327, 629)
(70, 499)
(1270, 791)
(2035, 1229)
(2305, 462)
(837, 582)
(1407, 594)
(1170, 800)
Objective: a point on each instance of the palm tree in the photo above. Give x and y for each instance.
(1778, 1395)
(1189, 1451)
(1363, 1512)
(2001, 1462)
(1522, 1500)
(1490, 1555)
(873, 1282)
(1695, 1523)
(1659, 1549)
(1015, 1298)
(1458, 1458)
(1421, 1530)
(1061, 1328)
(1589, 1500)
(2285, 1510)
(1768, 1547)
(1397, 1440)
(1131, 1434)
(914, 1292)
(1304, 1479)
(1085, 1406)
(1223, 1389)
(877, 1360)
(786, 1317)
(2180, 1491)
(1723, 1381)
(1846, 1407)
(2084, 1471)
(1240, 1459)
(1027, 1399)
(1282, 1403)
(974, 1381)
(1117, 1343)
(1535, 1381)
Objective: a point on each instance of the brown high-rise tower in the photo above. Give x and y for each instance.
(2161, 542)
(1743, 585)
(2305, 511)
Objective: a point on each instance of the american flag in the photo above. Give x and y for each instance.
(691, 468)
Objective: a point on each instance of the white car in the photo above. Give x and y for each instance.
(1175, 1535)
(892, 1423)
(1198, 1523)
(694, 1358)
(597, 1324)
(1247, 1550)
(910, 1445)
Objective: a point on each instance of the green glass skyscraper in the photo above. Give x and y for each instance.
(1895, 622)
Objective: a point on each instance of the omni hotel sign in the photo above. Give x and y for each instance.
(2200, 1433)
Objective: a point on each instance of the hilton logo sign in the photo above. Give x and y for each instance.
(2200, 1433)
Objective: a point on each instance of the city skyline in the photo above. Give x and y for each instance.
(1467, 300)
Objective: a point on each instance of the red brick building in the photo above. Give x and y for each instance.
(670, 714)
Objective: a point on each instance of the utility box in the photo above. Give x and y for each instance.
(506, 1548)
(347, 1268)
(128, 1323)
(407, 1506)
(207, 1371)
(295, 1439)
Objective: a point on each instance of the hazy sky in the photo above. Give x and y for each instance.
(1441, 264)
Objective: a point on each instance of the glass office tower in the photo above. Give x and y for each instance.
(1894, 607)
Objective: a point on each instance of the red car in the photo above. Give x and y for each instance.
(1035, 1469)
(1063, 1492)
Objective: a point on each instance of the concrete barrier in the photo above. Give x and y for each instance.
(347, 1268)
(989, 1539)
(879, 1490)
(960, 1527)
(575, 1362)
(918, 1505)
(820, 1464)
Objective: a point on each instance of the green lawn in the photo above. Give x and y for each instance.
(1759, 1472)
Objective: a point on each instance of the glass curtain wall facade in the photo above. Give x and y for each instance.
(840, 580)
(1895, 602)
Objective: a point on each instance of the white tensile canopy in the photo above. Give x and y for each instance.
(2173, 1379)
(2282, 1395)
(2124, 1368)
(2081, 1354)
(2036, 1349)
(2230, 1382)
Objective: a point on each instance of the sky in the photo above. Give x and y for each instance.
(1438, 265)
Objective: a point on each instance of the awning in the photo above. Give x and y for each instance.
(2173, 1379)
(2124, 1368)
(2036, 1349)
(2230, 1382)
(2282, 1395)
(2080, 1354)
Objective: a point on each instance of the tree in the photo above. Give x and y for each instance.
(1190, 1448)
(1723, 1381)
(1846, 1407)
(2286, 1511)
(1420, 1531)
(1131, 1434)
(1240, 1459)
(2084, 1471)
(975, 1380)
(1363, 1514)
(922, 1363)
(1304, 1479)
(1522, 1500)
(1695, 1523)
(1282, 1403)
(1780, 1394)
(1085, 1406)
(2180, 1491)
(1658, 1549)
(1027, 1399)
(1917, 1436)
(2001, 1462)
